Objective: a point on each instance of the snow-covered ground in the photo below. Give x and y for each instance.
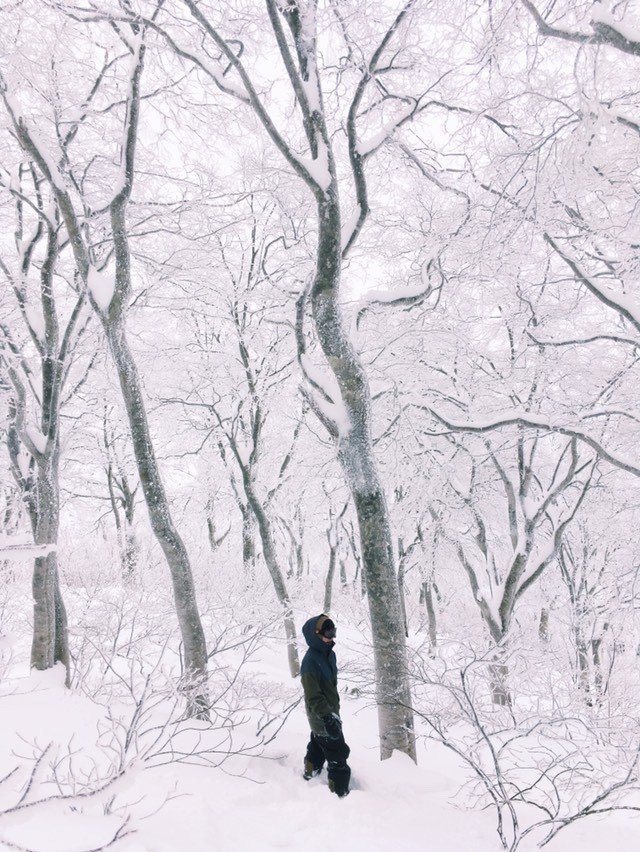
(254, 802)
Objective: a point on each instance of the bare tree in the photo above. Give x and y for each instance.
(591, 571)
(342, 399)
(540, 497)
(238, 338)
(37, 362)
(333, 542)
(109, 296)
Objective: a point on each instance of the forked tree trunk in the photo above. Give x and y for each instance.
(354, 441)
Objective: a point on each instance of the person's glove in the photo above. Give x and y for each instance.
(333, 725)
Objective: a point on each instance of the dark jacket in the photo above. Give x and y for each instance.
(319, 675)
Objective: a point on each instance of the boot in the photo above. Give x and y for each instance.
(339, 793)
(310, 771)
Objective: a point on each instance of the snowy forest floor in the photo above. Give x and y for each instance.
(115, 766)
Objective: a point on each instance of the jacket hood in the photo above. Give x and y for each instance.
(313, 639)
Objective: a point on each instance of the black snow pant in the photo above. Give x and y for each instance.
(335, 752)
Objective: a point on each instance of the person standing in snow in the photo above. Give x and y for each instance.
(319, 675)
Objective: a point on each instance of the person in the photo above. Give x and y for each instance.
(319, 675)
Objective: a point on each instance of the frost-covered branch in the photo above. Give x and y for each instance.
(606, 30)
(533, 421)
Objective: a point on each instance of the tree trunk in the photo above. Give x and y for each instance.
(61, 648)
(500, 694)
(598, 680)
(395, 716)
(193, 640)
(427, 595)
(271, 560)
(50, 642)
(401, 591)
(543, 628)
(328, 585)
(248, 541)
(129, 552)
(583, 675)
(355, 451)
(499, 668)
(403, 602)
(44, 614)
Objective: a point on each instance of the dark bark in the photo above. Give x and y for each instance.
(393, 696)
(427, 592)
(499, 684)
(328, 583)
(193, 640)
(543, 627)
(403, 602)
(271, 559)
(343, 573)
(50, 642)
(248, 541)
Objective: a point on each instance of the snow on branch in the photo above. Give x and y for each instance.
(250, 96)
(318, 167)
(606, 30)
(102, 287)
(16, 547)
(212, 69)
(530, 420)
(48, 162)
(371, 145)
(406, 296)
(624, 304)
(324, 395)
